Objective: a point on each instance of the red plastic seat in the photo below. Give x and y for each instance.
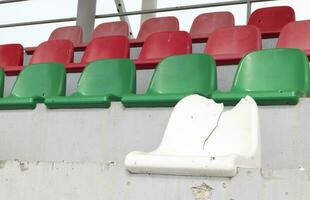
(72, 33)
(154, 25)
(53, 51)
(296, 35)
(204, 24)
(111, 28)
(271, 20)
(229, 45)
(11, 58)
(160, 45)
(116, 46)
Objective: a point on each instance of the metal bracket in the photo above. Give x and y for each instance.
(120, 6)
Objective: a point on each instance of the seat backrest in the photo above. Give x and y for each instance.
(272, 18)
(158, 24)
(237, 133)
(53, 51)
(72, 33)
(163, 44)
(41, 80)
(295, 35)
(11, 55)
(191, 122)
(234, 40)
(273, 70)
(111, 28)
(191, 73)
(204, 24)
(109, 76)
(199, 127)
(106, 47)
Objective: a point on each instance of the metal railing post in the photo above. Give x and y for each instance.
(85, 17)
(248, 9)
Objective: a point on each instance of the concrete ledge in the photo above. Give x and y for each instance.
(97, 181)
(102, 135)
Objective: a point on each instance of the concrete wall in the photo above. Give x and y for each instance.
(78, 153)
(98, 181)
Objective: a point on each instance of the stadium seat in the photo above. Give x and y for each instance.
(53, 51)
(154, 25)
(271, 20)
(176, 77)
(296, 35)
(271, 77)
(34, 83)
(163, 44)
(111, 28)
(101, 82)
(72, 33)
(11, 58)
(229, 45)
(204, 24)
(203, 140)
(102, 48)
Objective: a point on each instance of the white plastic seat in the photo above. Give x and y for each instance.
(203, 140)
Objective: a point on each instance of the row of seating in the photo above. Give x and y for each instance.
(273, 76)
(269, 20)
(227, 45)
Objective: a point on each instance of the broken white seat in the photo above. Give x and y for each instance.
(203, 140)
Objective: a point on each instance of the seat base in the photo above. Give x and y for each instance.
(75, 67)
(12, 103)
(13, 70)
(149, 163)
(227, 59)
(261, 98)
(152, 100)
(79, 102)
(146, 63)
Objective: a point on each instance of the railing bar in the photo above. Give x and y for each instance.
(228, 3)
(11, 1)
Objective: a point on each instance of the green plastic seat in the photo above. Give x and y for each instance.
(271, 77)
(176, 77)
(101, 82)
(1, 82)
(35, 83)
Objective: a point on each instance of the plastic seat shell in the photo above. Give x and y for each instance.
(11, 58)
(174, 78)
(156, 24)
(271, 20)
(53, 51)
(204, 24)
(203, 140)
(296, 35)
(101, 82)
(35, 83)
(161, 45)
(271, 77)
(111, 28)
(105, 47)
(72, 33)
(228, 45)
